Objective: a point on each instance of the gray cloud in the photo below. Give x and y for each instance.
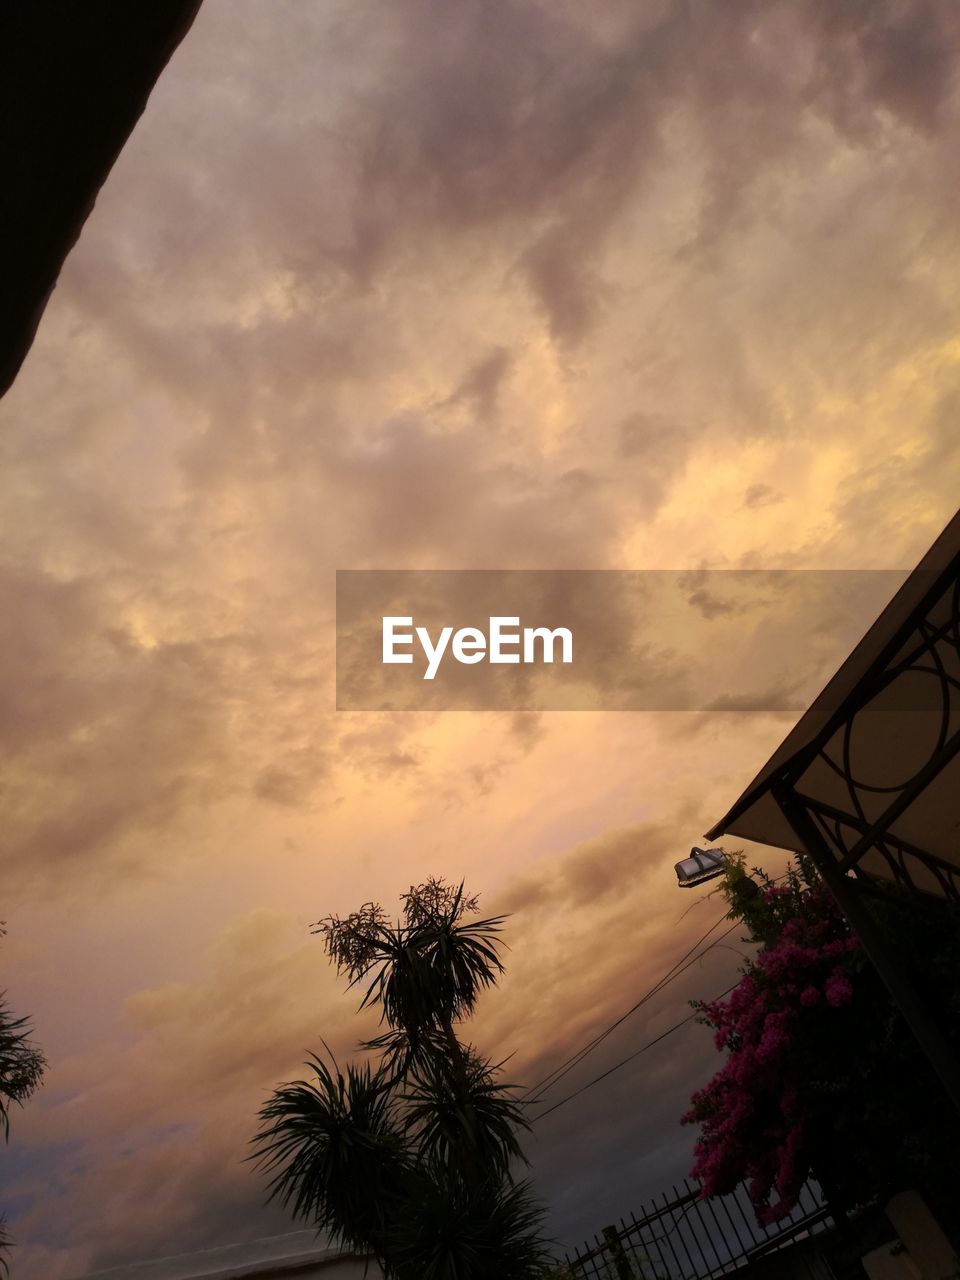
(480, 386)
(497, 285)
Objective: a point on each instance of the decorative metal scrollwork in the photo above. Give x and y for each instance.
(905, 715)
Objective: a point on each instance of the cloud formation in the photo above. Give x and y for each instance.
(405, 285)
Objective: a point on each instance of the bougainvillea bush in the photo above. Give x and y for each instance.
(821, 1077)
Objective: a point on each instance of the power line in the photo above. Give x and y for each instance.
(572, 1061)
(623, 1062)
(677, 969)
(534, 1093)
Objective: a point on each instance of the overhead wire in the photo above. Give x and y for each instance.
(630, 1057)
(535, 1093)
(685, 962)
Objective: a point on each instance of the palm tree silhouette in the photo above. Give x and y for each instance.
(411, 1160)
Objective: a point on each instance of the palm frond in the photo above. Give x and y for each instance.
(402, 1052)
(21, 1063)
(433, 974)
(452, 1233)
(356, 942)
(426, 970)
(470, 1121)
(334, 1152)
(435, 901)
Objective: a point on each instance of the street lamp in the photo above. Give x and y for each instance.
(702, 865)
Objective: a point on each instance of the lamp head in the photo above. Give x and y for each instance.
(702, 865)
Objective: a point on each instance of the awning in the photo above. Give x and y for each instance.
(874, 763)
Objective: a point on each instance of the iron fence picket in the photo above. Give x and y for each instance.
(691, 1237)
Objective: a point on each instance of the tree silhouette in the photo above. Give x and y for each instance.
(410, 1160)
(21, 1071)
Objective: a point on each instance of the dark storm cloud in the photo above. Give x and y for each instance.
(531, 121)
(761, 495)
(480, 386)
(590, 872)
(494, 284)
(104, 736)
(113, 741)
(892, 56)
(431, 495)
(510, 110)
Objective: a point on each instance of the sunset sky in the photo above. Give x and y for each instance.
(407, 284)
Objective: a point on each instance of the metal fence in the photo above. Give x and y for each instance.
(691, 1238)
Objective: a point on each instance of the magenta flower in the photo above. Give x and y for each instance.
(838, 990)
(757, 1116)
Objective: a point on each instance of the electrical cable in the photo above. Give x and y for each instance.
(623, 1062)
(534, 1093)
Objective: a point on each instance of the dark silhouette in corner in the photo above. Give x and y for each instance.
(75, 76)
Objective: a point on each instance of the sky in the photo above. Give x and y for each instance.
(401, 284)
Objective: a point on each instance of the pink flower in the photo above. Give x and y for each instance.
(774, 1039)
(753, 1112)
(838, 990)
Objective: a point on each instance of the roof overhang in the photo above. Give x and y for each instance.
(74, 80)
(875, 760)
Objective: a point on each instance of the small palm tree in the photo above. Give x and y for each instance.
(412, 1161)
(21, 1063)
(21, 1072)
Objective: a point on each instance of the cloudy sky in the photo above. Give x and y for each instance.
(410, 284)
